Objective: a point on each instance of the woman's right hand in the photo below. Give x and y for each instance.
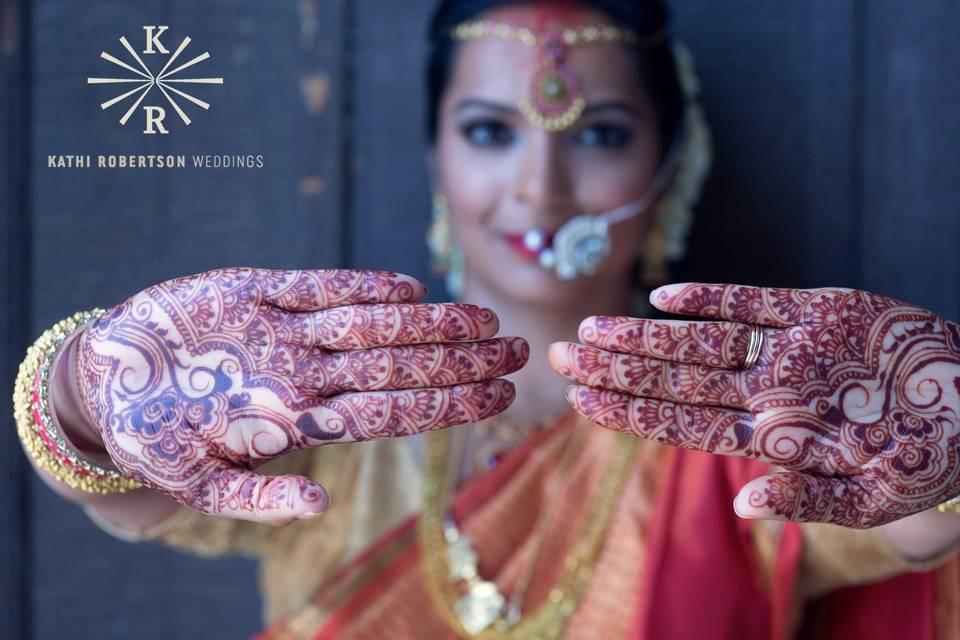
(196, 381)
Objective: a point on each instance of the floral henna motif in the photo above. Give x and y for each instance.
(717, 344)
(197, 381)
(648, 377)
(856, 395)
(362, 326)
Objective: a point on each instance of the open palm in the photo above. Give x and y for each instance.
(856, 395)
(196, 381)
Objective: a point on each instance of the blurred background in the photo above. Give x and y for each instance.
(836, 127)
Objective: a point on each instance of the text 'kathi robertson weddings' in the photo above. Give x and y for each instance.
(168, 161)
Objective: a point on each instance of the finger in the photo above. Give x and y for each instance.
(233, 492)
(413, 366)
(384, 414)
(647, 377)
(717, 344)
(740, 303)
(313, 290)
(807, 498)
(711, 429)
(366, 326)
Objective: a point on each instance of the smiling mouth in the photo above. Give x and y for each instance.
(525, 246)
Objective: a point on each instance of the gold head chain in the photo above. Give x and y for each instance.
(556, 98)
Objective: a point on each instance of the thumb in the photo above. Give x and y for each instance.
(807, 498)
(276, 500)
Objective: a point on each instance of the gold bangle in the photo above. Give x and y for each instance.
(952, 505)
(35, 425)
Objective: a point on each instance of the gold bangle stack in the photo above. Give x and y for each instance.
(950, 506)
(36, 427)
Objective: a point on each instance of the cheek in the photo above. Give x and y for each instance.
(607, 183)
(472, 192)
(627, 239)
(459, 183)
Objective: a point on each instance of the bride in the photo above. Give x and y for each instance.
(258, 411)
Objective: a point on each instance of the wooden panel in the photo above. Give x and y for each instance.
(754, 60)
(911, 180)
(833, 122)
(14, 313)
(832, 205)
(102, 235)
(390, 192)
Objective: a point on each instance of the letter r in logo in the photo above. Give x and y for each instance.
(155, 116)
(153, 39)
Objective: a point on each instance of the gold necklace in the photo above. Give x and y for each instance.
(550, 619)
(497, 435)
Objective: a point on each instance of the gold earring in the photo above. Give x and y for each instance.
(654, 271)
(439, 239)
(445, 256)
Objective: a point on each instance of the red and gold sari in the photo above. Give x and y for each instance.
(674, 563)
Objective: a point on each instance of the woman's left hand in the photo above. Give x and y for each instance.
(855, 395)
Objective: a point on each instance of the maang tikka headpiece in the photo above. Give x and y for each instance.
(555, 100)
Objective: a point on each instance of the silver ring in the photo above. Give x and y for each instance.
(754, 348)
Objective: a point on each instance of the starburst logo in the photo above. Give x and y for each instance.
(146, 80)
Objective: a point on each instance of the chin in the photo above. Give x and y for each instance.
(537, 287)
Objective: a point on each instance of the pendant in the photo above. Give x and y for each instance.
(555, 102)
(482, 605)
(555, 99)
(463, 559)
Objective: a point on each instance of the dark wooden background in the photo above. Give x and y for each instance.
(837, 129)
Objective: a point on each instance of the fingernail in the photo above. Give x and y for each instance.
(745, 516)
(735, 510)
(520, 346)
(665, 292)
(319, 510)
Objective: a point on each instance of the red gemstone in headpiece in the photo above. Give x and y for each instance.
(553, 91)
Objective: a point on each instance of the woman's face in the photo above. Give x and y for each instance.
(503, 176)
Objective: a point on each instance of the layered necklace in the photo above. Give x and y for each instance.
(474, 607)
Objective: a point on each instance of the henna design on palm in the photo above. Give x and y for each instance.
(856, 395)
(196, 381)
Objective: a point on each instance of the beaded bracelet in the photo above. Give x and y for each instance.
(40, 437)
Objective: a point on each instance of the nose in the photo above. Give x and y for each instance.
(543, 180)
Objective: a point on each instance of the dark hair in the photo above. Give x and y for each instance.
(645, 17)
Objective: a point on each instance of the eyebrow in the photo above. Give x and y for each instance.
(491, 105)
(469, 103)
(610, 106)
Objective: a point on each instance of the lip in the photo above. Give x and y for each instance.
(515, 242)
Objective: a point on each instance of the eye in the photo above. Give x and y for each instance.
(603, 135)
(488, 133)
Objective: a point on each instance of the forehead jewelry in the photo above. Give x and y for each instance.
(555, 100)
